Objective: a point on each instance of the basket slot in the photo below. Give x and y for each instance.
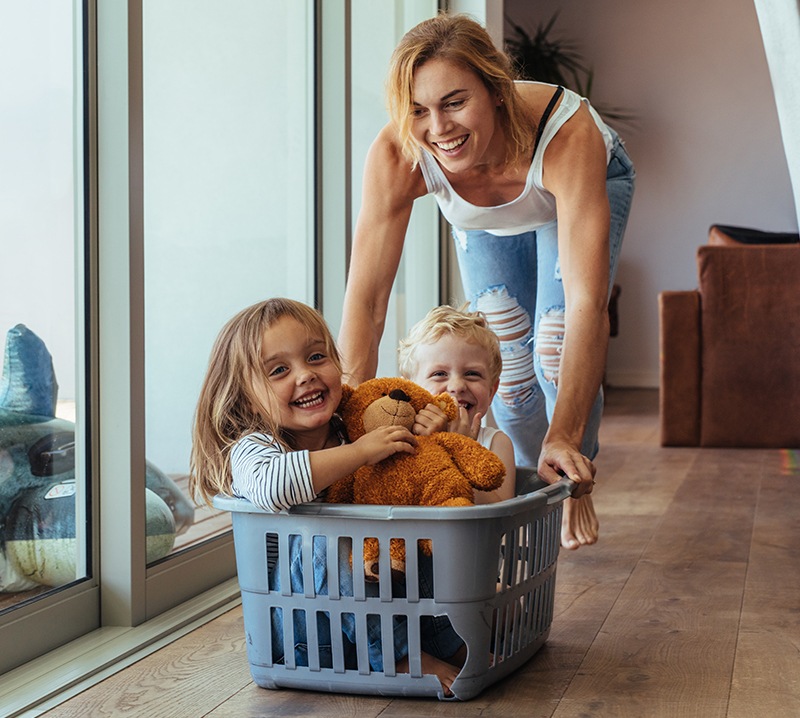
(387, 643)
(385, 572)
(414, 648)
(337, 642)
(284, 566)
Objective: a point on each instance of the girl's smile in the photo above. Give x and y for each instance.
(304, 385)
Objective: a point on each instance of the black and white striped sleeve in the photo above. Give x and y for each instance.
(268, 476)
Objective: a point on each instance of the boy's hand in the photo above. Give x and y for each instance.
(462, 425)
(385, 441)
(430, 420)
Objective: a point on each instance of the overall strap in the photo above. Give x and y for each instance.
(548, 110)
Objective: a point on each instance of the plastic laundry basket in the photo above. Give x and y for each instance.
(494, 571)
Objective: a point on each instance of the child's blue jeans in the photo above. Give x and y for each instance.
(437, 635)
(516, 281)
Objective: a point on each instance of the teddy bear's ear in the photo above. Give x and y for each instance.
(447, 404)
(347, 393)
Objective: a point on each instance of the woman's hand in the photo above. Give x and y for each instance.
(559, 459)
(383, 442)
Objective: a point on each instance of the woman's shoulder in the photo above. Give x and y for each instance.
(388, 168)
(535, 95)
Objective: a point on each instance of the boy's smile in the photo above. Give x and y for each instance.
(460, 368)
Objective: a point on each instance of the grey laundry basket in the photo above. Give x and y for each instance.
(494, 570)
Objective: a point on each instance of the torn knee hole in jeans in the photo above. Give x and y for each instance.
(512, 325)
(549, 342)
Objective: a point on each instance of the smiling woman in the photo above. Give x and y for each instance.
(537, 188)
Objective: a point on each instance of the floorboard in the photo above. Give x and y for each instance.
(689, 605)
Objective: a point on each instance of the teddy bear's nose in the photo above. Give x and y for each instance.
(399, 395)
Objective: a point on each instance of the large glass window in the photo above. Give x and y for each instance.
(375, 32)
(228, 204)
(43, 489)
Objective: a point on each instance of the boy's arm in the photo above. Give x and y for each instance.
(502, 446)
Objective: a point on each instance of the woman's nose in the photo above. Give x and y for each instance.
(440, 123)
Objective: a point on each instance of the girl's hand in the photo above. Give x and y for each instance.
(430, 420)
(560, 458)
(385, 441)
(462, 425)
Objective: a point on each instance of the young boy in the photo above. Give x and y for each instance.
(454, 351)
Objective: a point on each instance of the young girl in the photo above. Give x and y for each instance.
(265, 430)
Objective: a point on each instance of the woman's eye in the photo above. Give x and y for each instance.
(454, 105)
(417, 112)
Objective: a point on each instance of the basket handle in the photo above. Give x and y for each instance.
(560, 490)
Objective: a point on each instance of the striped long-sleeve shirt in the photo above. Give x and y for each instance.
(270, 476)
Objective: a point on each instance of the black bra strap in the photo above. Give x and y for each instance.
(548, 110)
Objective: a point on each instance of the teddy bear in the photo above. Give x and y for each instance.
(444, 471)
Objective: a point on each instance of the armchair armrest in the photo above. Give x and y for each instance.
(679, 344)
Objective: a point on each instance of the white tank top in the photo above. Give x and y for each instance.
(534, 207)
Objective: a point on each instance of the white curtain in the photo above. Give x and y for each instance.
(780, 29)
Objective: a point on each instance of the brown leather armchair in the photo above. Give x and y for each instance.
(730, 351)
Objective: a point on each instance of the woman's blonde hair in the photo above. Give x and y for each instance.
(460, 39)
(230, 405)
(445, 320)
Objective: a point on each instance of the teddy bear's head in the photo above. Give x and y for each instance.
(388, 401)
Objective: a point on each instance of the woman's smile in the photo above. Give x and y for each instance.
(454, 115)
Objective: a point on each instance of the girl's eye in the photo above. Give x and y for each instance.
(438, 375)
(316, 356)
(278, 370)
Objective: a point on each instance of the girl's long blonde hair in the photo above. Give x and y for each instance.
(460, 39)
(229, 406)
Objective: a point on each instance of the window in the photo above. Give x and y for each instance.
(44, 489)
(228, 203)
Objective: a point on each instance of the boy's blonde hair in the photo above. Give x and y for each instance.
(229, 406)
(446, 320)
(462, 40)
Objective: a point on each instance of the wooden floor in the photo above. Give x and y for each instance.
(688, 606)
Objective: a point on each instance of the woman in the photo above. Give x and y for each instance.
(537, 189)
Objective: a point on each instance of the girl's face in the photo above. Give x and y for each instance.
(305, 384)
(454, 116)
(460, 368)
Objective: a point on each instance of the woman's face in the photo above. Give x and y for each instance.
(454, 116)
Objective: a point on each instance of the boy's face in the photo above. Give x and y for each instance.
(458, 367)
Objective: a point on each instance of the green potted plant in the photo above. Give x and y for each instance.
(539, 56)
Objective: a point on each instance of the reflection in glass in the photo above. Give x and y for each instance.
(43, 524)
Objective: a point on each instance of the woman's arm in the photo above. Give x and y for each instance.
(575, 172)
(390, 188)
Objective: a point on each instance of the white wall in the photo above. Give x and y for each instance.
(707, 148)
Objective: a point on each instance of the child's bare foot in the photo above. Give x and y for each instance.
(579, 524)
(445, 672)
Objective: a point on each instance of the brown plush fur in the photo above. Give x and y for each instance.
(443, 472)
